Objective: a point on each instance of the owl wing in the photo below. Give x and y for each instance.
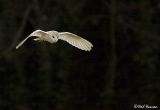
(76, 41)
(37, 33)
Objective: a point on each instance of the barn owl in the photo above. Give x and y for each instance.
(54, 36)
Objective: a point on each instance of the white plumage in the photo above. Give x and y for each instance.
(54, 36)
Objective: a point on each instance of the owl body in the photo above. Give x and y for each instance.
(54, 36)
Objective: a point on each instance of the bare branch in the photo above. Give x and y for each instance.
(20, 31)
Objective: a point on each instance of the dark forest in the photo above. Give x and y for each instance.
(119, 73)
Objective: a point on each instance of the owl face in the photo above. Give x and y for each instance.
(53, 34)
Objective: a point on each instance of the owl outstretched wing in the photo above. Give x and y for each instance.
(76, 41)
(37, 33)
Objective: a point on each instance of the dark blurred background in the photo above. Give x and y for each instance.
(120, 71)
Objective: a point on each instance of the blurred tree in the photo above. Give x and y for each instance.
(120, 71)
